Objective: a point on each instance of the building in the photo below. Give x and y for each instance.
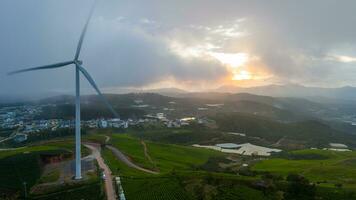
(103, 123)
(20, 137)
(126, 124)
(228, 146)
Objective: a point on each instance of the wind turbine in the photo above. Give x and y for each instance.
(78, 69)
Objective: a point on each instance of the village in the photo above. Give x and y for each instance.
(22, 121)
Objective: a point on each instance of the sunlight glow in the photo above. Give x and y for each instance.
(234, 60)
(197, 51)
(346, 59)
(241, 75)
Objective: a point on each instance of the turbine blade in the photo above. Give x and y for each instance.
(81, 39)
(52, 66)
(93, 84)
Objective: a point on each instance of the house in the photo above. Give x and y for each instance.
(126, 124)
(160, 116)
(173, 124)
(103, 124)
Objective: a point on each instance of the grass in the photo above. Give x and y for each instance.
(17, 169)
(166, 157)
(186, 136)
(95, 138)
(160, 188)
(339, 167)
(133, 148)
(180, 175)
(91, 191)
(50, 177)
(240, 192)
(17, 166)
(119, 168)
(23, 165)
(174, 157)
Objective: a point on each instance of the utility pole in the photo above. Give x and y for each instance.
(25, 188)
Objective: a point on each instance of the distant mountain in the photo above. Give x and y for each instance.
(176, 106)
(166, 91)
(13, 99)
(282, 109)
(163, 91)
(345, 95)
(8, 100)
(293, 90)
(61, 99)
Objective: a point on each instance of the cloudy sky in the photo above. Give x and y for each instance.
(194, 45)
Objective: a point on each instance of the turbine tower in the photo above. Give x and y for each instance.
(78, 69)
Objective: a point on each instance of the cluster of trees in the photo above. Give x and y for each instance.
(299, 187)
(5, 132)
(45, 135)
(314, 133)
(270, 187)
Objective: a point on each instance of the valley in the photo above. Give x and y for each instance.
(257, 146)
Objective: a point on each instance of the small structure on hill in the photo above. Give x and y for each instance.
(228, 146)
(338, 145)
(242, 149)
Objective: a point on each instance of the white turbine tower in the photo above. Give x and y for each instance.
(78, 68)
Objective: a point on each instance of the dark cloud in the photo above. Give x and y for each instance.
(128, 40)
(135, 55)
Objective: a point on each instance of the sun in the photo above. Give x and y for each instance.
(235, 62)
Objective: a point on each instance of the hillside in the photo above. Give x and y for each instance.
(137, 104)
(309, 133)
(190, 173)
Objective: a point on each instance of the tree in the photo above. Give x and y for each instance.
(299, 188)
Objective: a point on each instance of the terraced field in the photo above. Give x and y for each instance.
(159, 188)
(181, 178)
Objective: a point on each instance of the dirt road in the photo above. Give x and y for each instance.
(148, 155)
(110, 191)
(128, 162)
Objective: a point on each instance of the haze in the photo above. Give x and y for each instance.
(193, 45)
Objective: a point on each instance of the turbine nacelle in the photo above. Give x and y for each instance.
(78, 62)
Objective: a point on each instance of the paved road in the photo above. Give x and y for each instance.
(128, 162)
(107, 139)
(110, 191)
(12, 149)
(8, 138)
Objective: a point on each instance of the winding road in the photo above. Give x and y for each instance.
(110, 191)
(128, 162)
